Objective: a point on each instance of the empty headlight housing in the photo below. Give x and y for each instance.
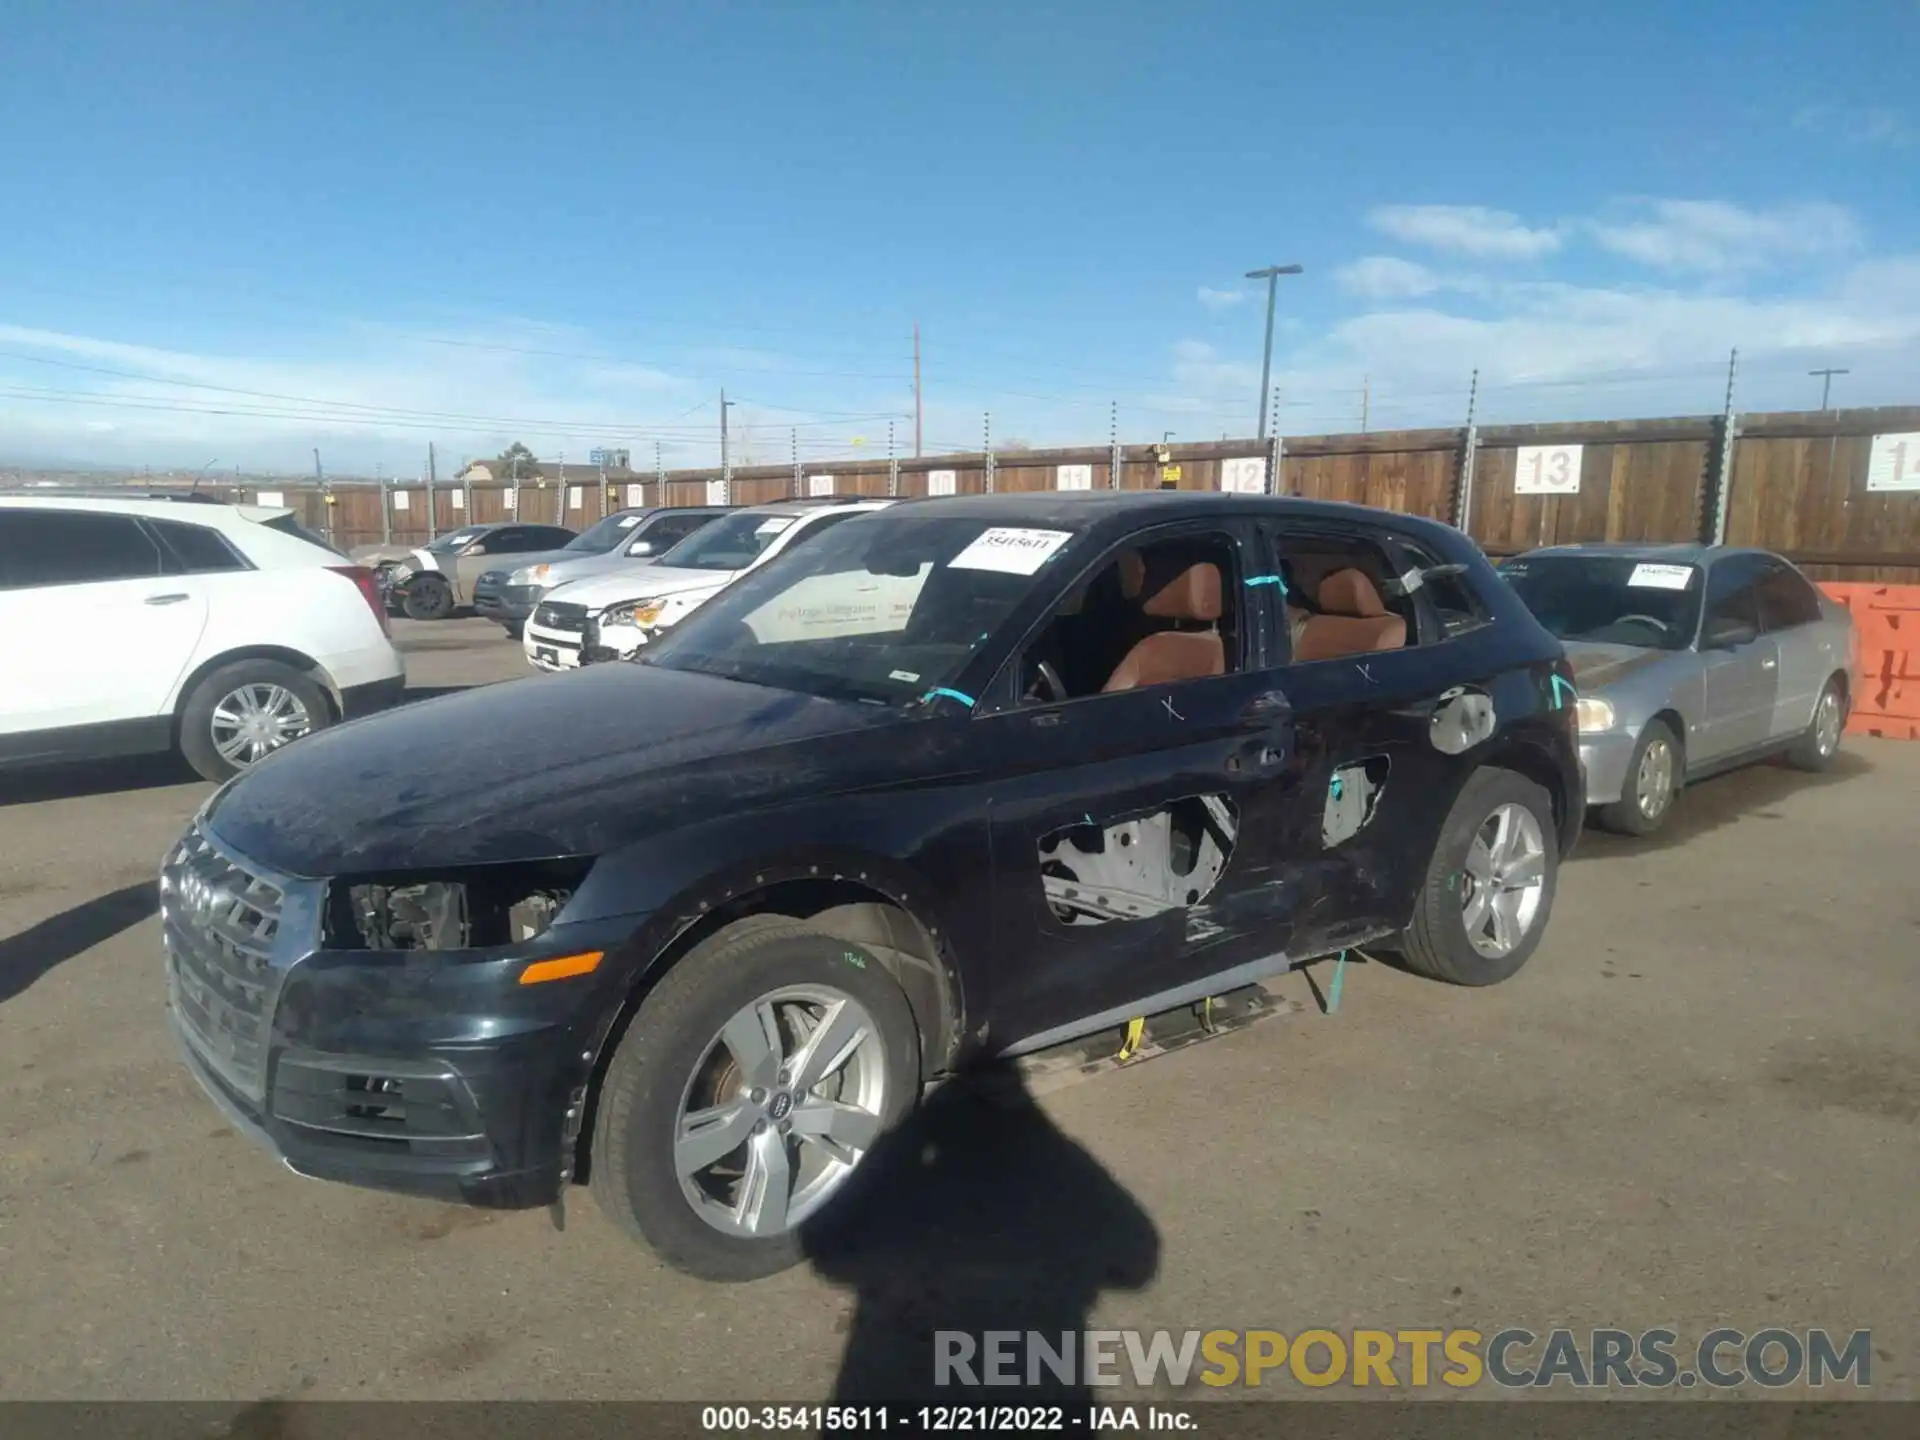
(1594, 715)
(530, 575)
(474, 907)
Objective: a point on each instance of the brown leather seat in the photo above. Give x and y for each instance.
(1353, 620)
(1170, 655)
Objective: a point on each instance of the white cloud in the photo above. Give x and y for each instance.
(1716, 236)
(1465, 229)
(1864, 126)
(1222, 299)
(1385, 277)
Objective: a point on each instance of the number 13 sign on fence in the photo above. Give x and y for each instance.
(1547, 470)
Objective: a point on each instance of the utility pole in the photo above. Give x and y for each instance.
(1826, 383)
(726, 461)
(795, 434)
(893, 464)
(1366, 400)
(1272, 276)
(433, 476)
(916, 389)
(659, 476)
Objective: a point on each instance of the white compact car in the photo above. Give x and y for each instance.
(134, 625)
(609, 617)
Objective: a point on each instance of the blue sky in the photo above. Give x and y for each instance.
(366, 227)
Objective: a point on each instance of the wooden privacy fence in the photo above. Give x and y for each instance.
(1797, 483)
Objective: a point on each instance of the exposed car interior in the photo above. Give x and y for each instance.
(1337, 599)
(1151, 616)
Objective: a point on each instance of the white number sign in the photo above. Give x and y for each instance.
(574, 498)
(819, 484)
(270, 498)
(716, 492)
(636, 497)
(1894, 462)
(510, 499)
(940, 482)
(1073, 477)
(400, 500)
(459, 499)
(1547, 470)
(1245, 476)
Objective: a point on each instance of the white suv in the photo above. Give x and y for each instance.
(609, 617)
(136, 625)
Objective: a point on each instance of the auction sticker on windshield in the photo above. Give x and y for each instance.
(1661, 577)
(773, 525)
(1010, 550)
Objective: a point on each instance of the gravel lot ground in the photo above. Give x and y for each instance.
(1699, 1105)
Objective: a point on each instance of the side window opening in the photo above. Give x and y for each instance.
(1786, 599)
(1342, 597)
(1453, 601)
(1154, 614)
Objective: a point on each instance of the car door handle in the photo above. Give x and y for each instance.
(1268, 705)
(173, 599)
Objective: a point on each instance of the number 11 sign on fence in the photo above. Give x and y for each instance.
(1547, 470)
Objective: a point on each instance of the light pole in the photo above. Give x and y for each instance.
(203, 471)
(1826, 383)
(1272, 276)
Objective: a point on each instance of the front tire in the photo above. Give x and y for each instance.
(241, 713)
(750, 1085)
(1817, 749)
(1653, 779)
(428, 599)
(1490, 883)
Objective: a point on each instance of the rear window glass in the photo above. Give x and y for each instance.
(287, 525)
(194, 549)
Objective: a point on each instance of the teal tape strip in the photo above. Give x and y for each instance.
(1563, 691)
(1266, 580)
(1333, 986)
(966, 700)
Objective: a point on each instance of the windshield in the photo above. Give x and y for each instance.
(447, 544)
(1613, 599)
(600, 538)
(886, 608)
(732, 542)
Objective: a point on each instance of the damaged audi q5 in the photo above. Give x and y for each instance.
(964, 778)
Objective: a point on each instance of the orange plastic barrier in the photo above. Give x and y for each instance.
(1886, 618)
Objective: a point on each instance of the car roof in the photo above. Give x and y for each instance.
(1112, 509)
(162, 508)
(1674, 552)
(815, 506)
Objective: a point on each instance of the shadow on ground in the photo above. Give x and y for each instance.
(37, 950)
(68, 781)
(977, 1214)
(1737, 796)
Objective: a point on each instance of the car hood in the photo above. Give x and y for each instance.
(580, 567)
(507, 564)
(377, 554)
(599, 590)
(1596, 665)
(576, 764)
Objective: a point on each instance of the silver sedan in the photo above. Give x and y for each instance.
(1690, 659)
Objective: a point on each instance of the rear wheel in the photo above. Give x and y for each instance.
(1490, 883)
(428, 598)
(241, 713)
(1653, 778)
(744, 1096)
(1816, 749)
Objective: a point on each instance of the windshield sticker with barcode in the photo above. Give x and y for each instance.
(906, 677)
(627, 522)
(1661, 577)
(773, 525)
(1010, 550)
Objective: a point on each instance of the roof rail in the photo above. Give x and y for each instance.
(124, 492)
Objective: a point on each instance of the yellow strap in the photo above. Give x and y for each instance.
(1136, 1032)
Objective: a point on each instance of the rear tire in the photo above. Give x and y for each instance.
(267, 700)
(428, 598)
(1646, 798)
(679, 1059)
(1501, 881)
(1817, 749)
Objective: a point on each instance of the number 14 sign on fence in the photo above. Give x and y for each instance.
(1547, 470)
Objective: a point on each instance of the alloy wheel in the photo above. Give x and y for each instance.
(784, 1103)
(253, 721)
(1653, 781)
(1504, 881)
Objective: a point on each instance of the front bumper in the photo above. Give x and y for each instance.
(1604, 759)
(446, 1079)
(507, 604)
